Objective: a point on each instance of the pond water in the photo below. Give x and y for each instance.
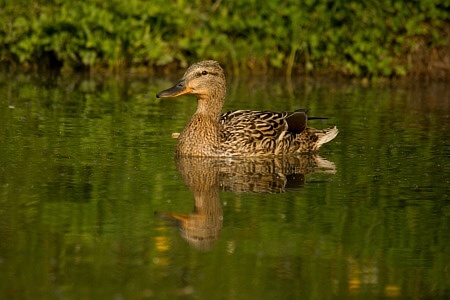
(93, 204)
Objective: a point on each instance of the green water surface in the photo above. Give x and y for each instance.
(93, 204)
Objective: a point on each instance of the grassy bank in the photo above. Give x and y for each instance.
(365, 39)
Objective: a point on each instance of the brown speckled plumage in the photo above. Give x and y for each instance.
(240, 132)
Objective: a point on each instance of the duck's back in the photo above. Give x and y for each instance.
(246, 132)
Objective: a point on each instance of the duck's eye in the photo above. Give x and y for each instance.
(204, 72)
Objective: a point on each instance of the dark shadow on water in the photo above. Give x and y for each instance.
(205, 177)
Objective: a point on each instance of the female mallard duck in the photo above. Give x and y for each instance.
(239, 132)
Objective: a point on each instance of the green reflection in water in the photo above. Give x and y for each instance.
(87, 162)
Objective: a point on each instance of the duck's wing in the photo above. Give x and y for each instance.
(260, 130)
(265, 121)
(253, 123)
(297, 120)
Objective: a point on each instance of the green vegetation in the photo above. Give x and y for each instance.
(368, 38)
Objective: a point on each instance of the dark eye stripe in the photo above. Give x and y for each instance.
(202, 73)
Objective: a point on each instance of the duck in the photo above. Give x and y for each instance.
(244, 133)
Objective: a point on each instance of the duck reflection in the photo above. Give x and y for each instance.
(202, 227)
(205, 176)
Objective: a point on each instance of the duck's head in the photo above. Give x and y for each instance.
(204, 79)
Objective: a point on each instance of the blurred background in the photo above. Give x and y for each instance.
(357, 38)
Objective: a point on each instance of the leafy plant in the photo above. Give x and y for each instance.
(347, 37)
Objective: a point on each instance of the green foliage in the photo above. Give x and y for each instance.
(356, 38)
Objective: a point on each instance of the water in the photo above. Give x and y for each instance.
(93, 204)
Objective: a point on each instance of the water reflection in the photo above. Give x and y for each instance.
(202, 227)
(205, 176)
(85, 163)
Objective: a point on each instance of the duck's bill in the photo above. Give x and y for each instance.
(179, 89)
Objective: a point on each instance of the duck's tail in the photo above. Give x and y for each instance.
(324, 136)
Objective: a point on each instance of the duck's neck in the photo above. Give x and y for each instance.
(210, 105)
(201, 136)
